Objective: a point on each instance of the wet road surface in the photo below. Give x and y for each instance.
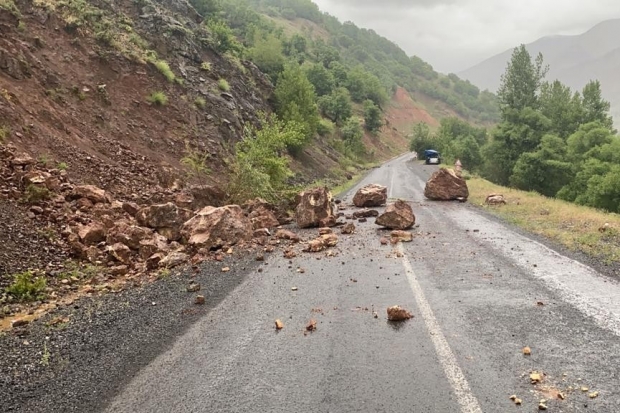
(479, 292)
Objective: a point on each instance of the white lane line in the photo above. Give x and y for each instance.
(464, 395)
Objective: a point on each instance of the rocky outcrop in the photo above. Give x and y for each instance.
(314, 208)
(398, 215)
(216, 227)
(446, 185)
(372, 195)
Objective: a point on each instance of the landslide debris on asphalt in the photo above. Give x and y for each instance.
(446, 185)
(372, 195)
(398, 215)
(397, 313)
(315, 209)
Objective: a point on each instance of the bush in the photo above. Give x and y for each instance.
(205, 66)
(165, 70)
(223, 85)
(325, 127)
(27, 287)
(36, 194)
(62, 166)
(260, 168)
(352, 134)
(200, 103)
(4, 133)
(158, 99)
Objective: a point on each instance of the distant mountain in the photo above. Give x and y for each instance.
(574, 60)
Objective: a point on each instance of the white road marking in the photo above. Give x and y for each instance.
(464, 395)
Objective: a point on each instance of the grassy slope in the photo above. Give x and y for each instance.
(579, 228)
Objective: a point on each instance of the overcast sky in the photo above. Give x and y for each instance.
(453, 35)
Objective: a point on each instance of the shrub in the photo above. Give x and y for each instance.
(200, 103)
(325, 127)
(62, 166)
(165, 70)
(27, 287)
(223, 85)
(35, 193)
(158, 99)
(4, 133)
(196, 161)
(205, 66)
(260, 168)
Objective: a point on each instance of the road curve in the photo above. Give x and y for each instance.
(479, 292)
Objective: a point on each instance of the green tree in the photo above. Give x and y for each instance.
(372, 116)
(545, 170)
(321, 79)
(223, 38)
(561, 107)
(421, 139)
(521, 82)
(295, 99)
(352, 134)
(595, 108)
(336, 106)
(267, 55)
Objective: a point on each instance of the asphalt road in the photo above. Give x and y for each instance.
(479, 291)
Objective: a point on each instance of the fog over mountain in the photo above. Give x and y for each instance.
(574, 60)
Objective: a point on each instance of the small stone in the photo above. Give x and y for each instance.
(199, 300)
(225, 269)
(20, 322)
(193, 288)
(527, 351)
(279, 325)
(397, 313)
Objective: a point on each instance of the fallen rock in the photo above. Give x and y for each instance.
(131, 208)
(384, 241)
(215, 227)
(495, 199)
(92, 233)
(446, 185)
(372, 195)
(167, 219)
(314, 206)
(130, 235)
(325, 230)
(174, 259)
(120, 252)
(401, 236)
(22, 159)
(397, 313)
(261, 232)
(90, 192)
(328, 222)
(365, 213)
(322, 242)
(311, 326)
(261, 214)
(279, 325)
(348, 228)
(286, 234)
(200, 300)
(153, 261)
(398, 215)
(193, 288)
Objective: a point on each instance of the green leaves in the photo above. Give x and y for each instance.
(296, 101)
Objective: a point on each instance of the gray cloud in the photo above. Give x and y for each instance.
(455, 34)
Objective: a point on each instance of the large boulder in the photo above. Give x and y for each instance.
(261, 214)
(130, 235)
(446, 185)
(215, 227)
(398, 215)
(315, 207)
(372, 195)
(90, 192)
(167, 219)
(92, 233)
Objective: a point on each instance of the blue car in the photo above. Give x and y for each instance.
(432, 157)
